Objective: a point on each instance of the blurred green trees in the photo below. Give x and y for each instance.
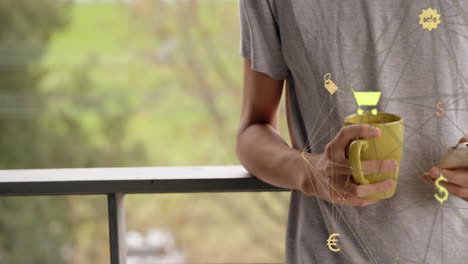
(147, 83)
(46, 128)
(25, 223)
(25, 29)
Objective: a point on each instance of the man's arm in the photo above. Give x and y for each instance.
(266, 155)
(260, 148)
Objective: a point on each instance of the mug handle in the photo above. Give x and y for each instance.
(355, 160)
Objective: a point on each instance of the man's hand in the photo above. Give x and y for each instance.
(328, 175)
(457, 178)
(266, 155)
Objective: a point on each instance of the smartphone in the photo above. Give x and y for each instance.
(455, 157)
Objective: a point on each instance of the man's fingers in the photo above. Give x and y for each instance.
(334, 168)
(352, 201)
(426, 178)
(368, 167)
(459, 176)
(378, 166)
(455, 189)
(336, 149)
(463, 139)
(339, 169)
(352, 132)
(364, 190)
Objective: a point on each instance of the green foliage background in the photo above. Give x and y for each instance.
(147, 83)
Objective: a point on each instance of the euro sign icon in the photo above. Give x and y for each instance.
(442, 191)
(331, 242)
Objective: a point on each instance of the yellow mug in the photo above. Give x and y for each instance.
(387, 146)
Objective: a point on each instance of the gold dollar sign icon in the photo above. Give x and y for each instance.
(442, 191)
(442, 110)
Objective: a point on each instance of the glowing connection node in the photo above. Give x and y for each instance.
(331, 242)
(429, 19)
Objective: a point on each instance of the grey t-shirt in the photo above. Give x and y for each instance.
(422, 72)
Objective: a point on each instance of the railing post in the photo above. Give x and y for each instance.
(117, 230)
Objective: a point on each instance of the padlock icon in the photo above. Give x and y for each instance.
(329, 84)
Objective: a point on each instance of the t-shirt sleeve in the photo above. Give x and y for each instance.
(260, 38)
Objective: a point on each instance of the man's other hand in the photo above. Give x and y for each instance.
(457, 178)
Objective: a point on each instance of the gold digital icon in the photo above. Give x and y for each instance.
(442, 191)
(442, 110)
(429, 19)
(329, 84)
(331, 242)
(366, 99)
